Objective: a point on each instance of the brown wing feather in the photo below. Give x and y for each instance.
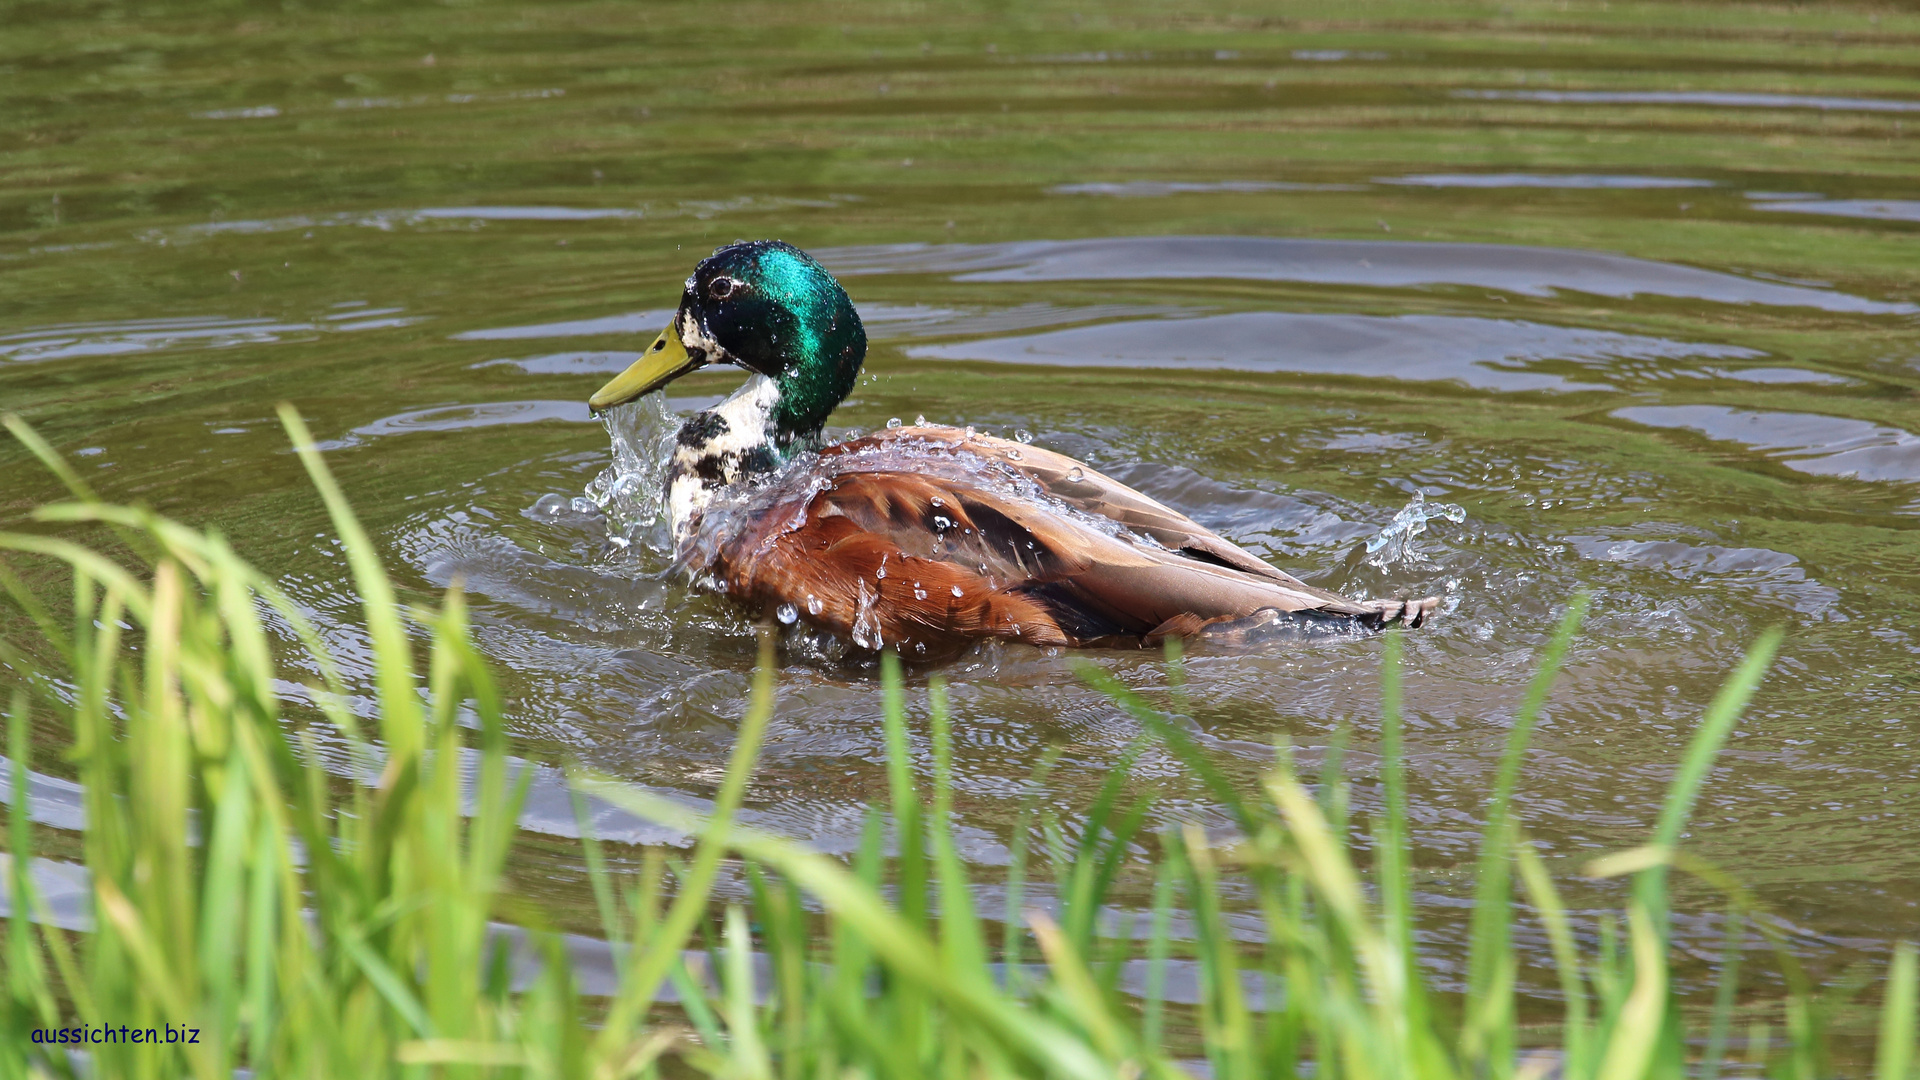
(1092, 492)
(931, 560)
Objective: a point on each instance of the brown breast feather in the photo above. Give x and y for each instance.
(932, 559)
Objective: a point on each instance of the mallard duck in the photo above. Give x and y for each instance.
(922, 538)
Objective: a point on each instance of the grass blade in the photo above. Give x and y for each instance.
(960, 934)
(596, 868)
(910, 835)
(1012, 936)
(1723, 996)
(746, 1052)
(1575, 1036)
(657, 957)
(905, 949)
(1159, 944)
(1894, 1060)
(1725, 709)
(1486, 1038)
(401, 722)
(1077, 989)
(1636, 1033)
(26, 975)
(1183, 744)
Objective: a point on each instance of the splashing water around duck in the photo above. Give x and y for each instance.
(631, 490)
(1395, 542)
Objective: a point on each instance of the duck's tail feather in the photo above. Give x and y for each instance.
(1272, 624)
(1408, 613)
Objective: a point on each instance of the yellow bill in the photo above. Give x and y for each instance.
(664, 361)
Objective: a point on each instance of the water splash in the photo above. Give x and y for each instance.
(866, 622)
(631, 491)
(1395, 542)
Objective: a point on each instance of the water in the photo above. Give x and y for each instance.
(1649, 317)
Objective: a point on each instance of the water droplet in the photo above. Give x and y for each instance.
(919, 594)
(920, 420)
(937, 501)
(787, 614)
(969, 431)
(1013, 455)
(880, 574)
(1076, 474)
(957, 592)
(893, 422)
(1023, 435)
(942, 522)
(813, 604)
(1395, 542)
(920, 648)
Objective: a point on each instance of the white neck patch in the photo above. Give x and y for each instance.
(714, 447)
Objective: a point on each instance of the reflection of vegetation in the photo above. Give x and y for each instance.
(314, 931)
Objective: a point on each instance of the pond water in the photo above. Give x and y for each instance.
(1636, 290)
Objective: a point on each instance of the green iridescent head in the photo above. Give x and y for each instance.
(768, 307)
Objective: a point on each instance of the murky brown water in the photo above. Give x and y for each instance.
(1638, 290)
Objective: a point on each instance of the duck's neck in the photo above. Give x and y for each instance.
(722, 446)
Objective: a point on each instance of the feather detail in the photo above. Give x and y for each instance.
(1092, 492)
(928, 539)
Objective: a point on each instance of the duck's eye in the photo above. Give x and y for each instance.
(722, 287)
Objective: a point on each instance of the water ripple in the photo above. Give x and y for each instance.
(1807, 442)
(1532, 271)
(1720, 98)
(1490, 354)
(1541, 180)
(1872, 209)
(70, 340)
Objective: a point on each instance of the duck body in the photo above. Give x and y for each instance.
(927, 539)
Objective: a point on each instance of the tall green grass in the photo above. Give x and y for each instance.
(315, 926)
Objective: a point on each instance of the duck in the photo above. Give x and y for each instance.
(923, 539)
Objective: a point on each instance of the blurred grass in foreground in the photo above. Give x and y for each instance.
(314, 928)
